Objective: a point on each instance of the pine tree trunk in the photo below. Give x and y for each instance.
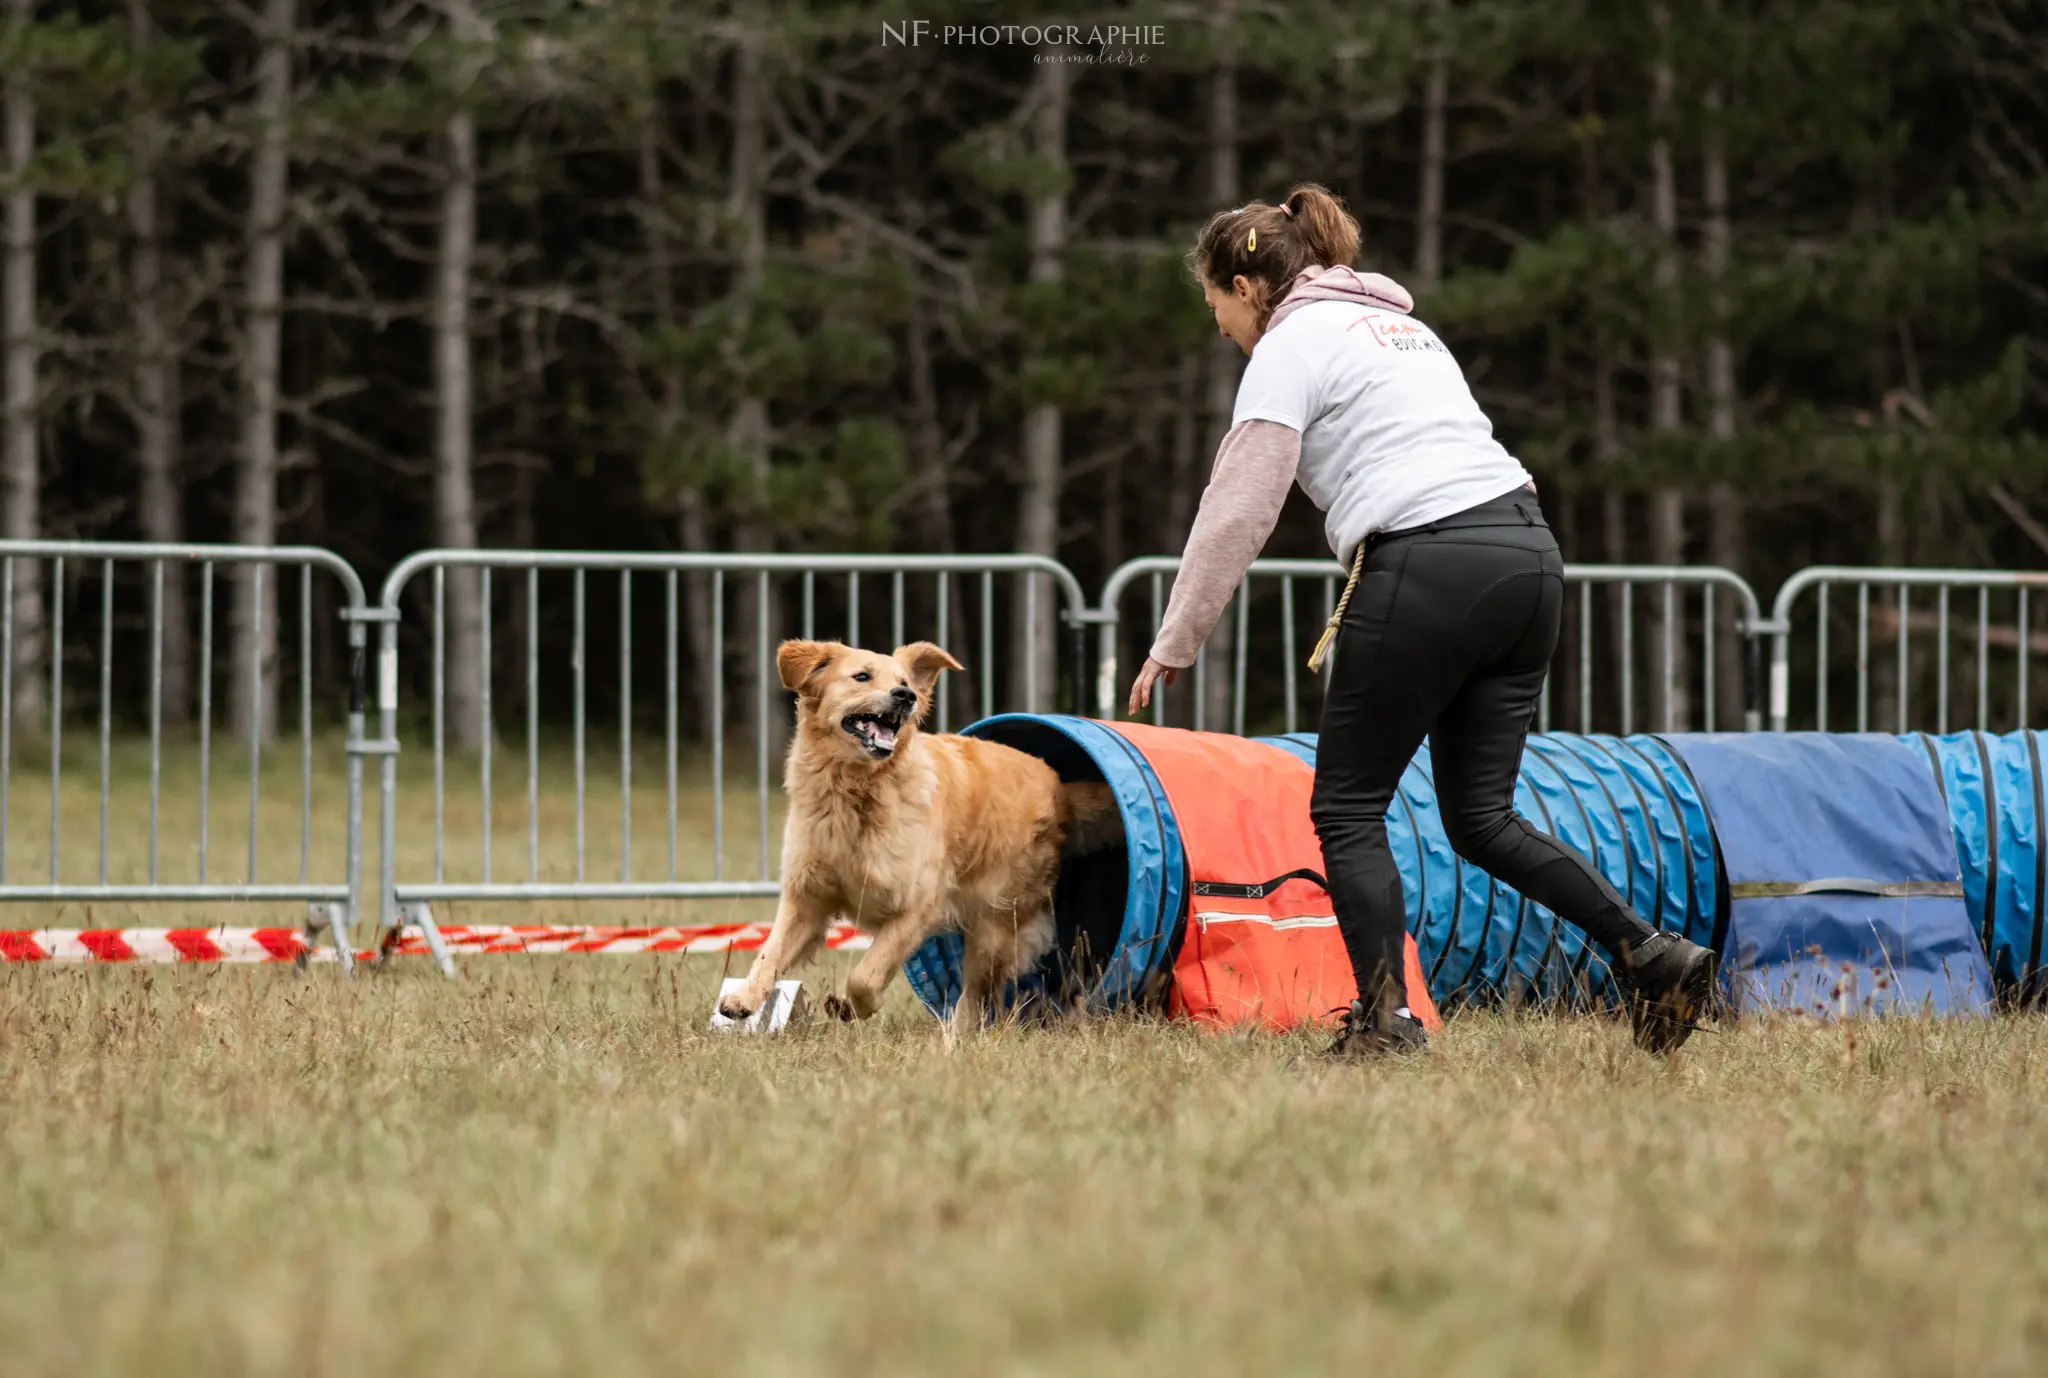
(156, 387)
(927, 436)
(693, 528)
(693, 525)
(253, 694)
(1607, 462)
(1226, 360)
(1667, 504)
(23, 347)
(934, 515)
(1429, 216)
(1184, 489)
(455, 523)
(747, 432)
(1182, 495)
(1562, 510)
(1035, 639)
(1613, 515)
(522, 534)
(1724, 501)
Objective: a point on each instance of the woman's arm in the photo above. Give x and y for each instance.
(1255, 467)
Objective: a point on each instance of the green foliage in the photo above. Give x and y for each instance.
(838, 490)
(76, 73)
(1881, 295)
(997, 159)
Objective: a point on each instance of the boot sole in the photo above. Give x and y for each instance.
(1662, 1025)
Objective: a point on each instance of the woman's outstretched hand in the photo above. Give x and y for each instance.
(1141, 687)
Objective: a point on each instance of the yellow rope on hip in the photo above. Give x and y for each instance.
(1329, 636)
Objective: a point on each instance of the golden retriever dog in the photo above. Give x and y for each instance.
(905, 834)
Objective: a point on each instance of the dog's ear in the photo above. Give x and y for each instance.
(798, 662)
(923, 661)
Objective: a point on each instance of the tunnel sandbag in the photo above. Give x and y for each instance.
(1992, 787)
(1217, 900)
(1260, 943)
(1628, 804)
(1845, 890)
(1116, 910)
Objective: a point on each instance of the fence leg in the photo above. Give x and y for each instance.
(1781, 676)
(422, 914)
(1752, 681)
(1078, 697)
(389, 915)
(358, 673)
(334, 918)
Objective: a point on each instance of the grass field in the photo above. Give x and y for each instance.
(550, 1167)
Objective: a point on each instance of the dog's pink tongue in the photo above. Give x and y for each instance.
(885, 735)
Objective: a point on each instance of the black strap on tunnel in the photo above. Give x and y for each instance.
(1217, 889)
(1990, 852)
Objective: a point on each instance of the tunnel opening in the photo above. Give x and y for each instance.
(1114, 910)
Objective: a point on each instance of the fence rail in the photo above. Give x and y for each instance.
(1682, 627)
(51, 591)
(1882, 682)
(116, 633)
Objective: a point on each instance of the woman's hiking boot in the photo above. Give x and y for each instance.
(1670, 984)
(1364, 1034)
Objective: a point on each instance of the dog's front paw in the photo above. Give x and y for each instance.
(841, 1008)
(739, 1007)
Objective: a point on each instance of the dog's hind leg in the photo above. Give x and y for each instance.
(998, 947)
(799, 927)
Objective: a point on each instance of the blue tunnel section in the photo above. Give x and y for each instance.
(1843, 875)
(1627, 803)
(1993, 788)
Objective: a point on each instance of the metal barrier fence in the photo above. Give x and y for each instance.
(1892, 666)
(66, 602)
(116, 632)
(951, 600)
(1674, 639)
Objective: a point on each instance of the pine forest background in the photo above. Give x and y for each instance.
(1746, 282)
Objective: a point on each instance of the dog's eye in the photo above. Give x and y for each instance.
(863, 677)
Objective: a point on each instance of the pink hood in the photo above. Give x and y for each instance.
(1343, 284)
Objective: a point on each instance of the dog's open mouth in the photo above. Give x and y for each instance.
(876, 732)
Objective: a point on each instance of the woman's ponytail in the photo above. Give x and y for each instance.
(1272, 245)
(1328, 229)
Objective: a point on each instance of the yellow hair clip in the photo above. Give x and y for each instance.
(1251, 242)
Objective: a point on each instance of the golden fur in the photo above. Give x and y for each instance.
(906, 834)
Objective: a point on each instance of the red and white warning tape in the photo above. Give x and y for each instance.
(289, 944)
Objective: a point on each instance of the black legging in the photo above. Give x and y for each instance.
(1448, 634)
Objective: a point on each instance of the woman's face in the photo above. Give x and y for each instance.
(1237, 317)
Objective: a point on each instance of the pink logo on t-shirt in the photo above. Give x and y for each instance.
(1395, 332)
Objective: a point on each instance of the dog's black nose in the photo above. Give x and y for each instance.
(906, 697)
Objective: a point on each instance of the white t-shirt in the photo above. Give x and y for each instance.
(1390, 434)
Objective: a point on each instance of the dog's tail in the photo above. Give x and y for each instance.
(1089, 819)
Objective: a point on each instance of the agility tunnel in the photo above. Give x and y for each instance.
(1834, 873)
(1215, 907)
